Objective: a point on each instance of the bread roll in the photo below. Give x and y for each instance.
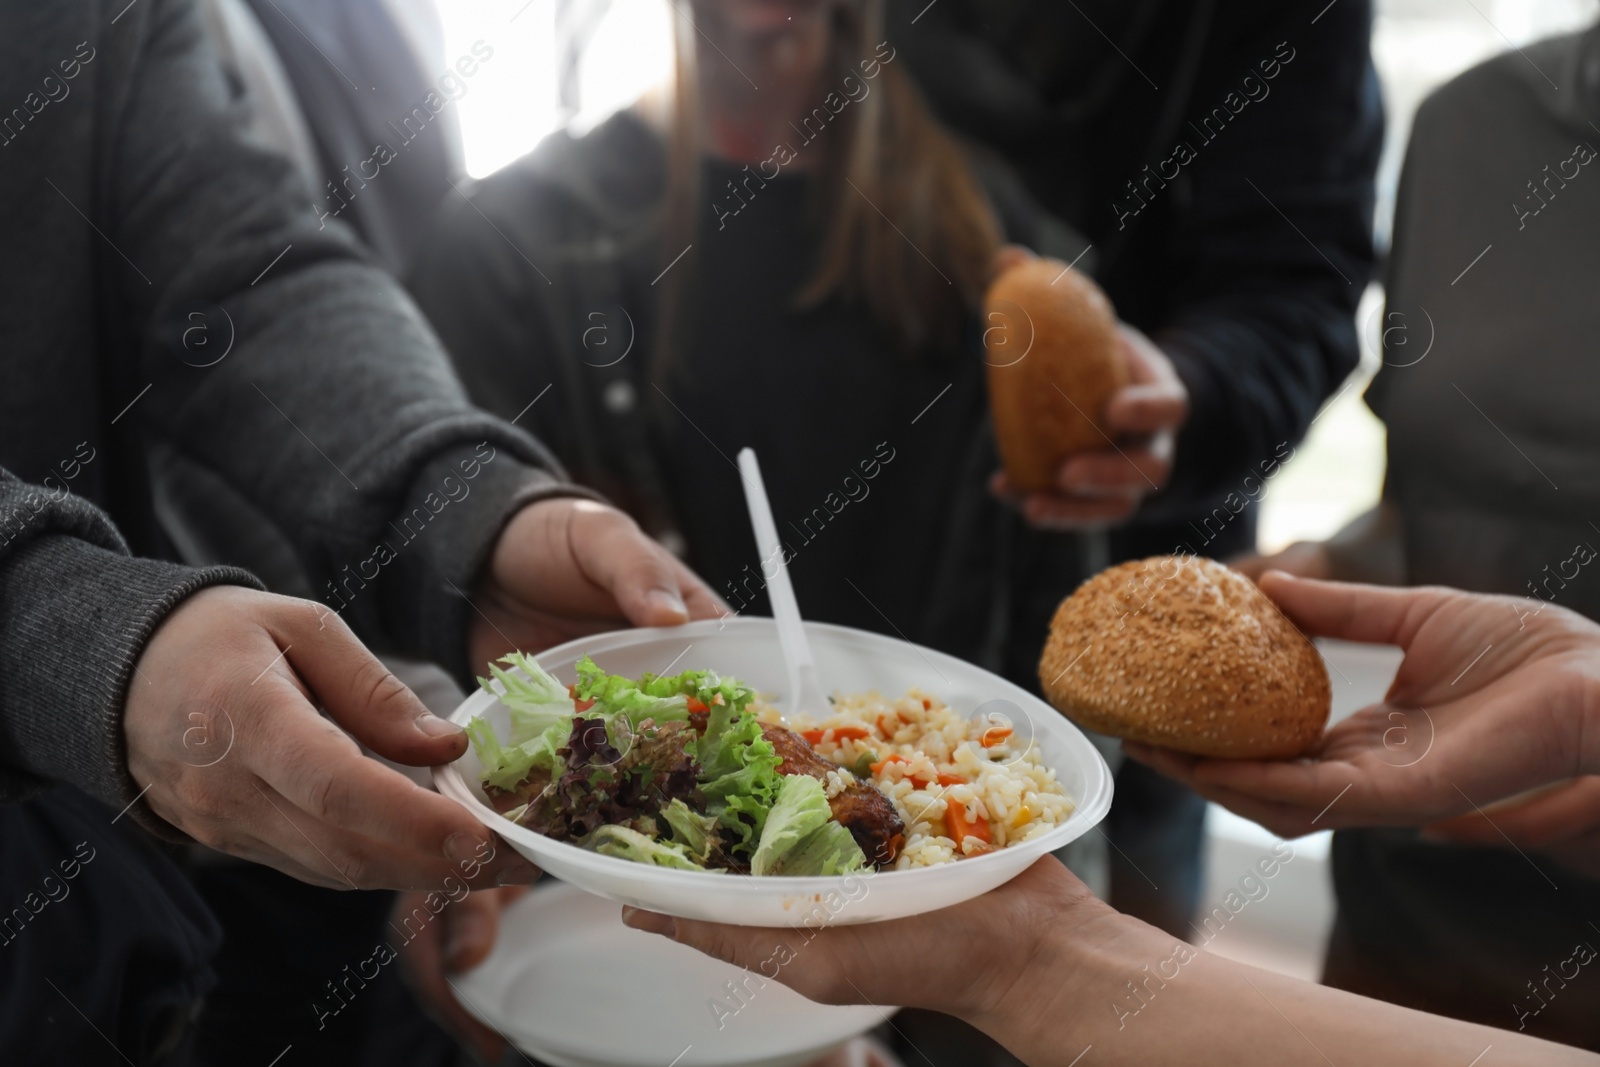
(1054, 360)
(1182, 652)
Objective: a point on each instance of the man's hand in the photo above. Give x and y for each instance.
(1491, 701)
(224, 735)
(1105, 486)
(456, 940)
(565, 567)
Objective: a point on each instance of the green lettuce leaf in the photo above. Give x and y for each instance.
(534, 698)
(801, 838)
(639, 700)
(800, 808)
(738, 772)
(695, 832)
(540, 712)
(829, 849)
(638, 697)
(506, 765)
(628, 844)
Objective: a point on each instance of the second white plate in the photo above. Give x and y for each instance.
(568, 983)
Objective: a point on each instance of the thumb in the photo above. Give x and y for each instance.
(1009, 256)
(641, 575)
(1370, 614)
(1142, 409)
(362, 695)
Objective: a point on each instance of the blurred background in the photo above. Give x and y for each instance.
(573, 62)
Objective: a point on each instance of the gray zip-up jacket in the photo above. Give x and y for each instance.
(165, 282)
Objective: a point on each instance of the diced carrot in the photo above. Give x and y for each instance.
(877, 768)
(582, 705)
(961, 828)
(856, 733)
(886, 731)
(696, 704)
(916, 779)
(994, 735)
(927, 705)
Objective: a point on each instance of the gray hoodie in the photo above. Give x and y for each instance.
(1489, 393)
(165, 282)
(1494, 448)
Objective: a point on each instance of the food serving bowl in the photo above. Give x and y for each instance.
(849, 661)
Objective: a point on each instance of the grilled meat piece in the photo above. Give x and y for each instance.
(860, 808)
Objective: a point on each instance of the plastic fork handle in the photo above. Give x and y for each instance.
(805, 686)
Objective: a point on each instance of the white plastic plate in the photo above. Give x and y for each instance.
(849, 661)
(569, 984)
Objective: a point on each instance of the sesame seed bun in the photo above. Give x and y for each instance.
(1054, 360)
(1184, 653)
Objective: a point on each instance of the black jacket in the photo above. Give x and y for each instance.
(555, 257)
(1219, 155)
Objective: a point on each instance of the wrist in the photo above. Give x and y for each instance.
(1072, 960)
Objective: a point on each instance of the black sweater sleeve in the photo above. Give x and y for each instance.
(1277, 248)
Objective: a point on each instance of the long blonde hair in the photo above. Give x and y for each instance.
(908, 224)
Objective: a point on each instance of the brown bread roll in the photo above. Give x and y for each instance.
(1182, 652)
(1054, 361)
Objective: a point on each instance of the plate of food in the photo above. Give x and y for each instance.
(565, 971)
(925, 781)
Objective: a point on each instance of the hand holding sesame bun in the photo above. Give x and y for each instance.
(1054, 360)
(1183, 653)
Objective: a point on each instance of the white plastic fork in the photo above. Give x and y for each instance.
(805, 686)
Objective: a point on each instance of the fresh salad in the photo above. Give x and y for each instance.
(675, 771)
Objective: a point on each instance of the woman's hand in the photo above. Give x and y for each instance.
(975, 971)
(1105, 486)
(565, 567)
(1491, 701)
(1303, 559)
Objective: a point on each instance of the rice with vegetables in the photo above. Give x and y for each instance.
(962, 787)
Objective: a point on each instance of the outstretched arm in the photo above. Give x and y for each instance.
(1050, 972)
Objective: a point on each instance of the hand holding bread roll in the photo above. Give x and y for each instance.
(1183, 653)
(1054, 361)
